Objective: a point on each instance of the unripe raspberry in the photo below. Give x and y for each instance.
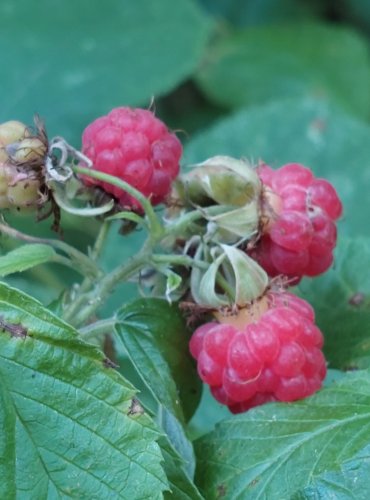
(299, 212)
(13, 131)
(22, 158)
(135, 146)
(273, 354)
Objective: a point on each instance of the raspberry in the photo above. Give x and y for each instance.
(274, 356)
(133, 145)
(299, 234)
(22, 157)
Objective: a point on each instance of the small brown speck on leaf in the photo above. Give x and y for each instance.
(15, 330)
(357, 299)
(108, 363)
(253, 483)
(135, 408)
(221, 490)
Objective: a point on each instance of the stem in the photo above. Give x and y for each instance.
(100, 240)
(64, 261)
(87, 282)
(73, 253)
(97, 328)
(156, 228)
(91, 301)
(184, 221)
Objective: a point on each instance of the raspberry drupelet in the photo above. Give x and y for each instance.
(275, 357)
(135, 146)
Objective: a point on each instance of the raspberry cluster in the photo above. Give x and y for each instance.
(298, 232)
(275, 357)
(135, 146)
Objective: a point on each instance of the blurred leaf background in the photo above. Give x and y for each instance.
(279, 80)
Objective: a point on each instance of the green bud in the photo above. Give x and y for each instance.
(231, 278)
(222, 180)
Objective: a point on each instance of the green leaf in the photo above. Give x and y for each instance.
(357, 11)
(298, 60)
(278, 449)
(347, 484)
(182, 487)
(156, 338)
(71, 426)
(178, 439)
(179, 458)
(333, 144)
(25, 257)
(242, 13)
(92, 57)
(341, 298)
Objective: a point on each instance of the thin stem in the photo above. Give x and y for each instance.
(98, 328)
(100, 240)
(185, 220)
(90, 302)
(73, 253)
(156, 227)
(59, 259)
(86, 284)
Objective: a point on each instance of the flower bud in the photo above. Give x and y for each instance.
(223, 180)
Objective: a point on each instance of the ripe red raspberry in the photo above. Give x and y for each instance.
(276, 356)
(134, 145)
(299, 233)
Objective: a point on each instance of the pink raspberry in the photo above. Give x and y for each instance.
(299, 232)
(275, 357)
(134, 145)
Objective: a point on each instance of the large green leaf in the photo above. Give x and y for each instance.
(341, 298)
(278, 449)
(156, 338)
(71, 426)
(25, 257)
(331, 143)
(260, 64)
(241, 13)
(71, 61)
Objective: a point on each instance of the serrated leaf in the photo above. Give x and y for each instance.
(71, 426)
(348, 484)
(341, 298)
(155, 336)
(277, 449)
(298, 60)
(25, 257)
(182, 487)
(101, 56)
(333, 144)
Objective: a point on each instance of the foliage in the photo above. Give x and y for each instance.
(273, 80)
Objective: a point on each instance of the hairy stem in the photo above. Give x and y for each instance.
(75, 255)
